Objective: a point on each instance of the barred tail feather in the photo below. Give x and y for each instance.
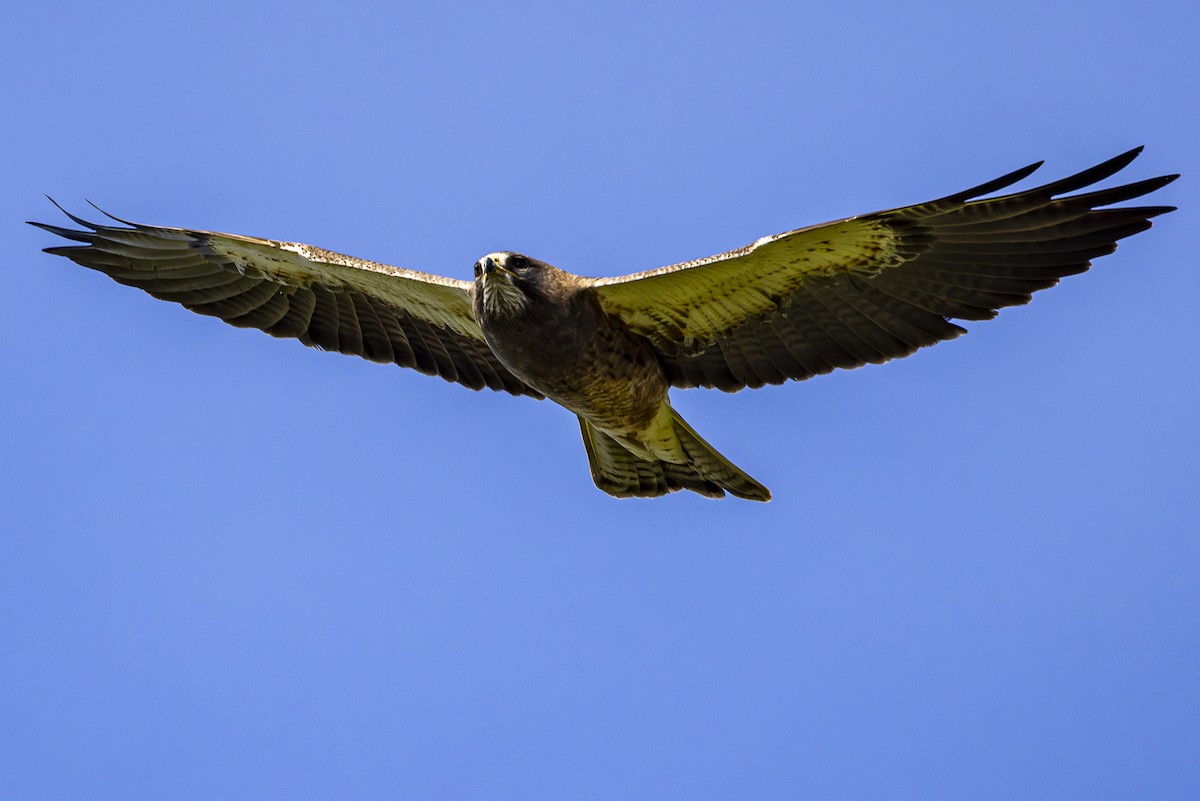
(624, 474)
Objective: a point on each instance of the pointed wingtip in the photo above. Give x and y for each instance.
(113, 217)
(1121, 161)
(994, 185)
(72, 217)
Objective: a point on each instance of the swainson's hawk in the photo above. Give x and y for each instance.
(789, 306)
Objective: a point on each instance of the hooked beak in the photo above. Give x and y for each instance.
(492, 265)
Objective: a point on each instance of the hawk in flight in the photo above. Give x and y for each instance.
(789, 306)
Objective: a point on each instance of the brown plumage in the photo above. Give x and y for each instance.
(787, 307)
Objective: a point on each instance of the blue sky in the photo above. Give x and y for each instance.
(235, 567)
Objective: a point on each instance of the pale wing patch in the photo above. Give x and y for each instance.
(442, 301)
(700, 299)
(290, 290)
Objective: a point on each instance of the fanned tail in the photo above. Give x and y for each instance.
(624, 474)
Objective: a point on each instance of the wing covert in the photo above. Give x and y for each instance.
(324, 299)
(875, 287)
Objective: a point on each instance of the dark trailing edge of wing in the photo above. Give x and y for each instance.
(964, 258)
(177, 265)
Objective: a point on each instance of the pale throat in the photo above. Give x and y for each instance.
(500, 296)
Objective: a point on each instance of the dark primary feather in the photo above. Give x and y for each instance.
(801, 303)
(324, 299)
(874, 287)
(790, 306)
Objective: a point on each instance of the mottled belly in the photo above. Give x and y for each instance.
(602, 373)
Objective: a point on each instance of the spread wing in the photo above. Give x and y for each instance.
(324, 299)
(875, 287)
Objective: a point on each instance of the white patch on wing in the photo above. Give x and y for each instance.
(699, 299)
(442, 301)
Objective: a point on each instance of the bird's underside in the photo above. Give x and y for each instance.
(786, 307)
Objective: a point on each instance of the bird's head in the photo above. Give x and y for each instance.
(510, 282)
